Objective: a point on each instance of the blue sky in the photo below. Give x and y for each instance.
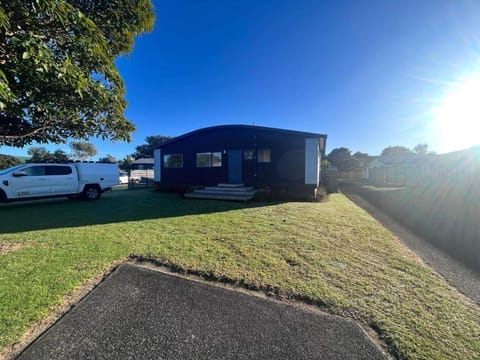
(367, 73)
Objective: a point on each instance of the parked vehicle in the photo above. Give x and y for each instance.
(32, 181)
(123, 177)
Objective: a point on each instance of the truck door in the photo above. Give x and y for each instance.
(62, 179)
(34, 183)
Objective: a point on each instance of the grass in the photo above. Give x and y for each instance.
(332, 254)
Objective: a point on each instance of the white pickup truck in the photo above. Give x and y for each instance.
(34, 181)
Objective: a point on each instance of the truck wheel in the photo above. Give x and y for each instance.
(3, 196)
(91, 192)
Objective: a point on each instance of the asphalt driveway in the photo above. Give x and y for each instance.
(139, 313)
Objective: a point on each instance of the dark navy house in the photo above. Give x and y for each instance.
(252, 155)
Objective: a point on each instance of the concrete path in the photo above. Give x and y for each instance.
(138, 313)
(466, 280)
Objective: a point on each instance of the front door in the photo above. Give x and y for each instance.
(234, 166)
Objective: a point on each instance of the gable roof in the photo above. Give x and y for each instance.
(252, 127)
(144, 161)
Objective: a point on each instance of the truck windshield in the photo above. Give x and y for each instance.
(9, 170)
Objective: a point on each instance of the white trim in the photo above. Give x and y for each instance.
(157, 165)
(312, 161)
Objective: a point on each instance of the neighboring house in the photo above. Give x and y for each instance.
(142, 169)
(459, 169)
(359, 172)
(252, 155)
(401, 170)
(143, 164)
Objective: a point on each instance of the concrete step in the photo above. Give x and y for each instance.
(231, 189)
(236, 192)
(225, 193)
(226, 185)
(219, 196)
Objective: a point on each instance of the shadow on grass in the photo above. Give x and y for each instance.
(446, 216)
(114, 207)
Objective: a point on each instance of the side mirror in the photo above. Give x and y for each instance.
(19, 173)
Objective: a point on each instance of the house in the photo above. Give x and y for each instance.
(142, 170)
(143, 164)
(397, 170)
(455, 169)
(459, 169)
(233, 154)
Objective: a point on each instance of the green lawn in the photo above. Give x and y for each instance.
(332, 254)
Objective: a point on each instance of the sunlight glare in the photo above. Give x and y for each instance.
(457, 119)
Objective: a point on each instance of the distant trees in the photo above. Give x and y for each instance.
(82, 150)
(340, 158)
(39, 154)
(126, 163)
(396, 150)
(108, 159)
(146, 150)
(343, 159)
(361, 156)
(419, 149)
(422, 149)
(7, 161)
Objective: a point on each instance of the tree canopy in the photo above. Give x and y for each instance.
(7, 161)
(108, 159)
(341, 158)
(39, 154)
(58, 78)
(422, 149)
(396, 150)
(82, 150)
(126, 163)
(146, 150)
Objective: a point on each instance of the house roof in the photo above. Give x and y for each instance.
(144, 161)
(404, 160)
(252, 127)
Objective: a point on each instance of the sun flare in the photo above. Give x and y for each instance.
(457, 119)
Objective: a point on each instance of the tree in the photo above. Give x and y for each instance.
(58, 78)
(126, 163)
(60, 155)
(422, 149)
(361, 156)
(82, 150)
(108, 159)
(146, 150)
(340, 158)
(396, 151)
(38, 154)
(7, 161)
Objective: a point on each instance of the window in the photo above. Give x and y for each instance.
(216, 159)
(264, 155)
(209, 159)
(35, 171)
(58, 170)
(248, 155)
(173, 161)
